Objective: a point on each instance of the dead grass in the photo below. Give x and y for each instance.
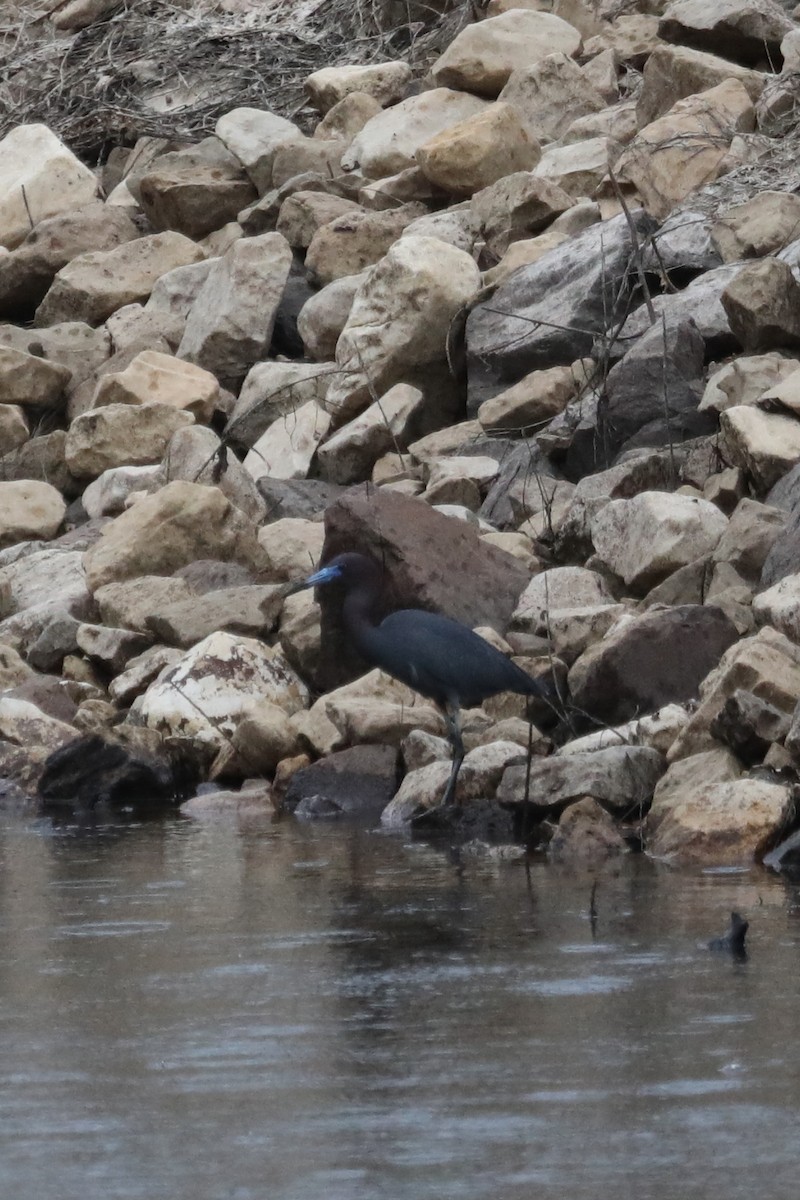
(169, 68)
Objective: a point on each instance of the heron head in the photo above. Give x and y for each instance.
(351, 570)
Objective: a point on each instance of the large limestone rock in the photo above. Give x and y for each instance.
(254, 136)
(715, 822)
(154, 378)
(621, 778)
(673, 72)
(549, 313)
(206, 694)
(386, 82)
(748, 31)
(767, 664)
(298, 156)
(27, 379)
(350, 243)
(196, 454)
(304, 212)
(389, 142)
(478, 151)
(29, 509)
(94, 285)
(176, 292)
(39, 177)
(482, 56)
(193, 197)
(762, 303)
(177, 525)
(230, 324)
(764, 444)
(533, 401)
(660, 657)
(388, 424)
(646, 538)
(120, 435)
(287, 447)
(760, 226)
(387, 338)
(550, 94)
(272, 390)
(324, 315)
(516, 207)
(26, 273)
(578, 168)
(745, 379)
(685, 149)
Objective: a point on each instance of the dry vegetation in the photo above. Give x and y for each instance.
(171, 68)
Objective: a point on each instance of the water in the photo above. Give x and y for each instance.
(195, 1014)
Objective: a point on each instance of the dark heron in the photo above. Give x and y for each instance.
(434, 655)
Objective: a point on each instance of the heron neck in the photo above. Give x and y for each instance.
(358, 613)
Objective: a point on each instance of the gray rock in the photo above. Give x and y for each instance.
(357, 782)
(749, 725)
(621, 778)
(550, 313)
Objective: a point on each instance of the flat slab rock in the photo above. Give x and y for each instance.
(621, 778)
(357, 782)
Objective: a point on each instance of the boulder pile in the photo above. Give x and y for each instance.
(524, 322)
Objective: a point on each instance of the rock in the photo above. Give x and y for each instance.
(389, 423)
(658, 730)
(779, 606)
(254, 135)
(482, 56)
(39, 178)
(323, 317)
(646, 538)
(229, 326)
(748, 31)
(251, 810)
(762, 303)
(357, 782)
(41, 458)
(272, 390)
(306, 498)
(659, 657)
(524, 488)
(140, 673)
(672, 73)
(535, 399)
(24, 724)
(722, 824)
(557, 589)
(348, 117)
(480, 773)
(746, 379)
(197, 455)
(153, 378)
(176, 292)
(287, 447)
(749, 725)
(632, 38)
(585, 835)
(26, 273)
(699, 301)
(111, 648)
(94, 285)
(533, 319)
(161, 533)
(549, 94)
(519, 205)
(350, 243)
(299, 155)
(181, 191)
(107, 496)
(425, 556)
(578, 168)
(27, 379)
(303, 213)
(389, 142)
(686, 148)
(478, 151)
(752, 531)
(29, 509)
(621, 779)
(118, 435)
(758, 227)
(386, 82)
(387, 339)
(251, 611)
(657, 378)
(765, 445)
(405, 187)
(766, 663)
(14, 429)
(293, 546)
(216, 683)
(91, 772)
(129, 604)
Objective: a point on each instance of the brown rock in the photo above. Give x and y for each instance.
(748, 31)
(760, 226)
(674, 72)
(478, 151)
(762, 303)
(482, 56)
(355, 240)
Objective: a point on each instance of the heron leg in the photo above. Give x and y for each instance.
(453, 719)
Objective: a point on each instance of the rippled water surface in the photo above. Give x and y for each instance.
(196, 1014)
